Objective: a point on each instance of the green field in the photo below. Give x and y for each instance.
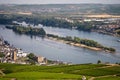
(69, 72)
(42, 75)
(109, 78)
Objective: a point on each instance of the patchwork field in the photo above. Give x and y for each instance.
(61, 72)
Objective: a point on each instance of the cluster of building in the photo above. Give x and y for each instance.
(107, 25)
(8, 52)
(11, 54)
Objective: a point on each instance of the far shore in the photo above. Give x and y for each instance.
(74, 44)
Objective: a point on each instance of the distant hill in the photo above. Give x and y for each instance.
(64, 8)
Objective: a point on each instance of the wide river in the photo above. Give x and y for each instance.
(59, 51)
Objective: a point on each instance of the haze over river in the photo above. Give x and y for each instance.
(59, 51)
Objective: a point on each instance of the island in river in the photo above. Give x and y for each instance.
(85, 43)
(27, 30)
(76, 41)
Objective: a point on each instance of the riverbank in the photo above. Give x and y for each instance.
(11, 54)
(84, 43)
(76, 44)
(106, 33)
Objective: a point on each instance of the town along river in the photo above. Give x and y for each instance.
(59, 51)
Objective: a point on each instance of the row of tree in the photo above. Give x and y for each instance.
(27, 30)
(86, 42)
(46, 21)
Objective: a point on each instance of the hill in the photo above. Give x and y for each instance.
(64, 8)
(68, 72)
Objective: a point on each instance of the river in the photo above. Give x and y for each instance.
(59, 51)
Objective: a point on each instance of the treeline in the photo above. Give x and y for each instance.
(46, 21)
(35, 19)
(86, 42)
(27, 30)
(5, 19)
(85, 26)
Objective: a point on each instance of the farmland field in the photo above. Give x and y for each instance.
(69, 72)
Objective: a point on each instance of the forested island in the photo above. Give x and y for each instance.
(76, 41)
(85, 43)
(27, 30)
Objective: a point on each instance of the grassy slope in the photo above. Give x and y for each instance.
(42, 75)
(24, 72)
(109, 78)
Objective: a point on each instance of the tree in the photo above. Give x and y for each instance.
(32, 58)
(28, 30)
(2, 54)
(42, 32)
(68, 38)
(76, 39)
(98, 62)
(6, 42)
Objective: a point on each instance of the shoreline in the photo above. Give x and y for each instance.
(106, 33)
(74, 44)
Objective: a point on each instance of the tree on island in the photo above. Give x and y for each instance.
(28, 30)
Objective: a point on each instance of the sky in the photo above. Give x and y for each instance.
(58, 1)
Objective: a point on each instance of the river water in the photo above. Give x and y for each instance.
(58, 51)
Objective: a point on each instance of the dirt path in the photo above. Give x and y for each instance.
(108, 65)
(2, 73)
(92, 78)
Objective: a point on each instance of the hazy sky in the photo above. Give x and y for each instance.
(58, 1)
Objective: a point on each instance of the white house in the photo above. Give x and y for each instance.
(22, 54)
